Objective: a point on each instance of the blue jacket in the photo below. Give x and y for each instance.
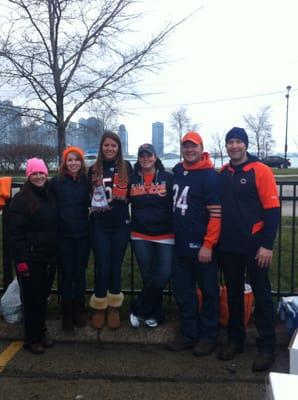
(250, 207)
(152, 209)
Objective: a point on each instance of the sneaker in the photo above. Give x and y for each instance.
(204, 347)
(263, 361)
(180, 343)
(135, 321)
(229, 351)
(151, 323)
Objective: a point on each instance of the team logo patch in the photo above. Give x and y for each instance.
(194, 245)
(185, 173)
(243, 181)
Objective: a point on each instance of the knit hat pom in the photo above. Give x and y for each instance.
(35, 165)
(72, 149)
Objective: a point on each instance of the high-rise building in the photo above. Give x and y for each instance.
(158, 138)
(90, 133)
(47, 132)
(10, 122)
(123, 135)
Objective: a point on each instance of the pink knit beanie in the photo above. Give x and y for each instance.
(35, 165)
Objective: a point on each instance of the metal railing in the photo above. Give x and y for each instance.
(284, 271)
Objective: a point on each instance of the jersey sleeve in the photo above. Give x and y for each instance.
(213, 205)
(266, 186)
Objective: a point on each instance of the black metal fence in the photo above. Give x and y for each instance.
(284, 271)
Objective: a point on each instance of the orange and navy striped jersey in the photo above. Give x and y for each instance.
(196, 205)
(250, 207)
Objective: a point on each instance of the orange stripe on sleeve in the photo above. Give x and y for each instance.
(266, 186)
(214, 225)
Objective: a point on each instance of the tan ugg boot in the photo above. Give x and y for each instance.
(114, 303)
(99, 304)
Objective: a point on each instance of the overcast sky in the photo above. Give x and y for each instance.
(231, 58)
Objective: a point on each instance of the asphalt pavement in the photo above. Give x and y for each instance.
(130, 364)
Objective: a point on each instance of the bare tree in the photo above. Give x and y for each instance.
(107, 113)
(180, 122)
(260, 131)
(65, 53)
(28, 131)
(217, 146)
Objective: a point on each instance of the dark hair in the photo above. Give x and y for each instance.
(158, 165)
(121, 163)
(63, 168)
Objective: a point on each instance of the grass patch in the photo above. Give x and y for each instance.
(283, 273)
(284, 268)
(285, 172)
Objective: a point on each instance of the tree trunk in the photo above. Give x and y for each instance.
(61, 140)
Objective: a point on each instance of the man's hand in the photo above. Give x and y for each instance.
(204, 255)
(264, 257)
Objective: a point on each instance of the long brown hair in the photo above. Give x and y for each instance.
(120, 162)
(63, 167)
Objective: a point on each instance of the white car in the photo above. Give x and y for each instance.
(90, 159)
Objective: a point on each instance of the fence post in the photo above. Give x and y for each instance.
(6, 251)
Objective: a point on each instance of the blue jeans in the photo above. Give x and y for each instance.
(234, 267)
(155, 263)
(74, 255)
(109, 249)
(188, 273)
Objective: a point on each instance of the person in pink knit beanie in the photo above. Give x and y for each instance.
(35, 165)
(33, 228)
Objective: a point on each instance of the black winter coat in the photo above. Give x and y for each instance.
(72, 199)
(33, 235)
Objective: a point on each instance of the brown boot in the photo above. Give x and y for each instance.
(180, 343)
(263, 361)
(67, 317)
(79, 313)
(114, 303)
(99, 304)
(204, 347)
(36, 348)
(113, 318)
(230, 350)
(98, 319)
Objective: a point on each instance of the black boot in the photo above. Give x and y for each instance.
(79, 313)
(67, 315)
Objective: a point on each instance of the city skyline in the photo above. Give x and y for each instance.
(85, 133)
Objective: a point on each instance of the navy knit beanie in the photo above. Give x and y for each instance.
(237, 133)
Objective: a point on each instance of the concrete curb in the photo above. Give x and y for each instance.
(125, 334)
